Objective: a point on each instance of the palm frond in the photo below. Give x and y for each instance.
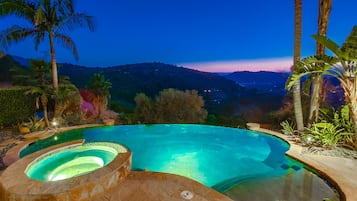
(350, 45)
(21, 8)
(70, 22)
(329, 44)
(68, 43)
(15, 34)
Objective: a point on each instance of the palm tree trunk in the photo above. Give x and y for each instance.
(323, 18)
(53, 62)
(44, 101)
(297, 47)
(350, 90)
(353, 110)
(315, 100)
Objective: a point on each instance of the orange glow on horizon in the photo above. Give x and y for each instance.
(271, 64)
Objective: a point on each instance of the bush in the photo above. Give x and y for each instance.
(15, 106)
(326, 134)
(171, 106)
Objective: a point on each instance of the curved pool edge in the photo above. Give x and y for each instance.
(339, 171)
(81, 187)
(13, 154)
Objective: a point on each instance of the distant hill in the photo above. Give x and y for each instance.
(262, 81)
(150, 78)
(7, 62)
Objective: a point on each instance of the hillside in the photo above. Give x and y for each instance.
(7, 62)
(150, 78)
(263, 81)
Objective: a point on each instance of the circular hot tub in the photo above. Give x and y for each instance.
(72, 161)
(70, 171)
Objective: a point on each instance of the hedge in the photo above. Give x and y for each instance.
(15, 106)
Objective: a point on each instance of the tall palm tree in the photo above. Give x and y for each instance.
(47, 18)
(323, 18)
(297, 48)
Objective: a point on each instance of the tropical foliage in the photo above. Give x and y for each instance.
(326, 134)
(100, 86)
(47, 19)
(342, 66)
(15, 106)
(316, 88)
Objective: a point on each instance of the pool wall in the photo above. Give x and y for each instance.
(84, 187)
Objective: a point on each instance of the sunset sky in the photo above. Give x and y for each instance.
(208, 35)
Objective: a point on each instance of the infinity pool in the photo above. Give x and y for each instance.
(218, 157)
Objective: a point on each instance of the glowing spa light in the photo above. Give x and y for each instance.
(76, 167)
(55, 138)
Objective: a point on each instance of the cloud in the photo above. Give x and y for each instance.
(271, 64)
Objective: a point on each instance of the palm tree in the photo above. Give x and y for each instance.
(48, 18)
(100, 87)
(323, 17)
(297, 48)
(343, 66)
(43, 94)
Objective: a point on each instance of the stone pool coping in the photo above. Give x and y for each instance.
(139, 185)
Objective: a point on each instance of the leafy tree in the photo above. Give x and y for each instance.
(297, 48)
(144, 111)
(171, 106)
(174, 106)
(47, 18)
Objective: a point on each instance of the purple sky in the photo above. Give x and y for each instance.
(208, 35)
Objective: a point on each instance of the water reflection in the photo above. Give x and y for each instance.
(295, 186)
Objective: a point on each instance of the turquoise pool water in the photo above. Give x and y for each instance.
(242, 164)
(218, 157)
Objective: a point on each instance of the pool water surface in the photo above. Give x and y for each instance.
(218, 157)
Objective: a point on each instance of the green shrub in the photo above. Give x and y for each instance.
(342, 120)
(15, 106)
(287, 129)
(326, 134)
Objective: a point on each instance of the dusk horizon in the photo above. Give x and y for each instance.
(260, 65)
(207, 36)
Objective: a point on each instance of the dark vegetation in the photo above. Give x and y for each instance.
(15, 105)
(227, 102)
